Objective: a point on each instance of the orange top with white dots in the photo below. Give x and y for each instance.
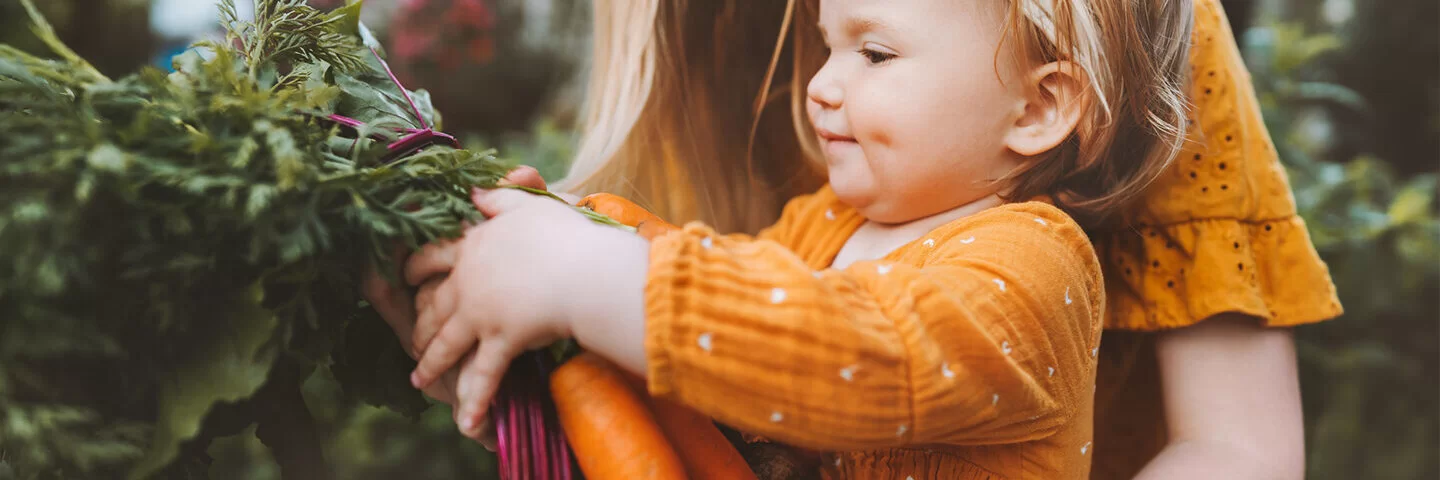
(967, 353)
(1217, 233)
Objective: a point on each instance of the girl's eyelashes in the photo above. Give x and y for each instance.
(876, 57)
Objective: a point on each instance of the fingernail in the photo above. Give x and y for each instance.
(467, 424)
(415, 379)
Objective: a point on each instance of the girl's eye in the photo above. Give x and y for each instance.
(876, 57)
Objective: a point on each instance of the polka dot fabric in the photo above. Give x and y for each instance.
(967, 353)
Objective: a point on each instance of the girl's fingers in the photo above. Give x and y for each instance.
(425, 295)
(446, 386)
(525, 176)
(440, 305)
(434, 260)
(495, 202)
(438, 392)
(478, 381)
(488, 438)
(453, 342)
(483, 430)
(443, 389)
(456, 414)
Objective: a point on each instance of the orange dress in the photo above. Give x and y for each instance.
(968, 353)
(1217, 233)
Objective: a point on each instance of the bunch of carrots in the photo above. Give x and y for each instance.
(614, 429)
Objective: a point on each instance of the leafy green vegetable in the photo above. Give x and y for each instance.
(168, 242)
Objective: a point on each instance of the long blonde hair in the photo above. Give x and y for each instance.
(690, 113)
(671, 103)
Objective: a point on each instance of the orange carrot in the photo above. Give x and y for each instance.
(707, 454)
(624, 211)
(609, 425)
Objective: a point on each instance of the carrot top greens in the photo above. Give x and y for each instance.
(179, 251)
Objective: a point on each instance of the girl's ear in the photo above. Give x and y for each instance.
(1052, 109)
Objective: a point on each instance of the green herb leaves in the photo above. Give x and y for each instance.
(167, 241)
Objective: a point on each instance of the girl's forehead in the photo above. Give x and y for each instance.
(855, 25)
(857, 17)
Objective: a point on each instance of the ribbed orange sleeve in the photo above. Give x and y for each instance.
(982, 332)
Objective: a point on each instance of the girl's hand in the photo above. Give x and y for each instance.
(522, 280)
(394, 303)
(437, 259)
(443, 390)
(397, 307)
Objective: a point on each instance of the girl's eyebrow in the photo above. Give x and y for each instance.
(857, 26)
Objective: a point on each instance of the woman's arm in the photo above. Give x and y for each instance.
(1232, 403)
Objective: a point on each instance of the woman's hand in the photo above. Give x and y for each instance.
(397, 308)
(522, 280)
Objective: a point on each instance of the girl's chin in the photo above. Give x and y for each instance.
(867, 201)
(858, 194)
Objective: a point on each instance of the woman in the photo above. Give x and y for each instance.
(1197, 376)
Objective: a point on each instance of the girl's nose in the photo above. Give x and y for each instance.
(824, 89)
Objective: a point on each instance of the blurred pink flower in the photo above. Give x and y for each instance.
(409, 43)
(448, 34)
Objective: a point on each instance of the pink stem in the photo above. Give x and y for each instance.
(557, 452)
(500, 437)
(517, 428)
(346, 121)
(542, 438)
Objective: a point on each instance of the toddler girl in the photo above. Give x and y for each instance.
(933, 312)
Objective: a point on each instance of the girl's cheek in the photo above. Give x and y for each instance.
(870, 104)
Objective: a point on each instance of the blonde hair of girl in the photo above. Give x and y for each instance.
(689, 112)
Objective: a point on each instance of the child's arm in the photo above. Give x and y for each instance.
(1232, 400)
(521, 280)
(992, 341)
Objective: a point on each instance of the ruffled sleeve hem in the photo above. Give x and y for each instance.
(1176, 275)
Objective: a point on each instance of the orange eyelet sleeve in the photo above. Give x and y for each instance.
(1218, 232)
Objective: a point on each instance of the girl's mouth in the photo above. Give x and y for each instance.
(827, 136)
(834, 143)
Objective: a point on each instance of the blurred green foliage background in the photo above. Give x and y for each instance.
(1350, 91)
